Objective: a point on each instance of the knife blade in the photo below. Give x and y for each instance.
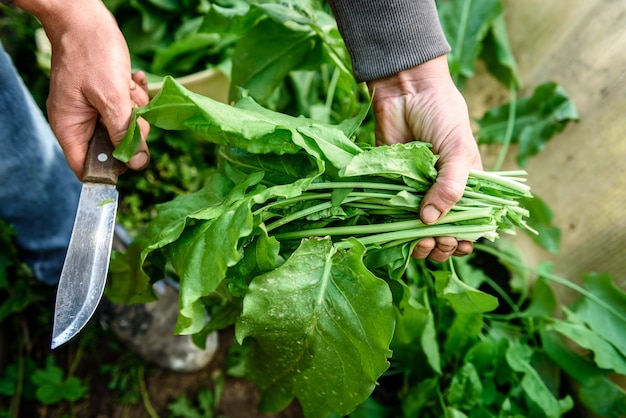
(86, 264)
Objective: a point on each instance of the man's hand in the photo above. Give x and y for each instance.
(90, 75)
(423, 104)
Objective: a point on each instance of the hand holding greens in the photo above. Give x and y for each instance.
(300, 231)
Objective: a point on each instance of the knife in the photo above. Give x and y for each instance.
(87, 260)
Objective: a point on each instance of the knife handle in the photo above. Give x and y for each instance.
(100, 165)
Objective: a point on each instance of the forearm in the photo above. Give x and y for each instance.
(384, 37)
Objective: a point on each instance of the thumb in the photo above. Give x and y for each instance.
(446, 190)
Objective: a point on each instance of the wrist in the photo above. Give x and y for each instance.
(413, 79)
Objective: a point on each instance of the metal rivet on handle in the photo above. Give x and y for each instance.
(102, 157)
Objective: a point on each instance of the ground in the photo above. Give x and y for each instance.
(119, 384)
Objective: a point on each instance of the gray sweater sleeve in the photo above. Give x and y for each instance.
(384, 37)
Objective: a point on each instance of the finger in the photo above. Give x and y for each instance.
(444, 248)
(139, 88)
(443, 194)
(139, 96)
(464, 248)
(423, 248)
(456, 161)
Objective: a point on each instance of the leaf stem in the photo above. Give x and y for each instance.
(552, 277)
(359, 185)
(145, 396)
(354, 230)
(505, 181)
(462, 232)
(510, 124)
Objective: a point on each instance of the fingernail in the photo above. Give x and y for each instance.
(139, 161)
(430, 214)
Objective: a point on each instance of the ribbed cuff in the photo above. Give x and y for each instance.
(384, 37)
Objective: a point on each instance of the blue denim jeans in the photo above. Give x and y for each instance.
(38, 192)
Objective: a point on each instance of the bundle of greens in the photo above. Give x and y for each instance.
(301, 238)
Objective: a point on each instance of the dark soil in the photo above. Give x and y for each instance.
(119, 383)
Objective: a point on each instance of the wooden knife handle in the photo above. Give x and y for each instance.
(100, 165)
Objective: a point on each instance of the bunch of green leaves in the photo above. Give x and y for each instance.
(289, 56)
(22, 380)
(299, 231)
(504, 364)
(266, 40)
(163, 36)
(453, 358)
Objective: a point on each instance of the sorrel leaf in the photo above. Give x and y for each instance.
(537, 119)
(318, 328)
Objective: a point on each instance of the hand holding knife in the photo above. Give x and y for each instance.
(84, 273)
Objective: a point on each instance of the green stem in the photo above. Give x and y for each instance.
(291, 200)
(511, 173)
(552, 277)
(331, 90)
(412, 224)
(145, 396)
(313, 196)
(510, 124)
(462, 232)
(359, 185)
(14, 407)
(500, 291)
(492, 199)
(508, 182)
(300, 214)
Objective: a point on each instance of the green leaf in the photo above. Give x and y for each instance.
(543, 301)
(606, 355)
(465, 24)
(324, 141)
(232, 21)
(52, 388)
(415, 330)
(267, 53)
(548, 235)
(518, 356)
(537, 119)
(487, 355)
(247, 126)
(181, 56)
(463, 298)
(598, 392)
(130, 282)
(421, 396)
(183, 407)
(464, 331)
(465, 388)
(278, 169)
(21, 296)
(176, 108)
(413, 160)
(606, 324)
(497, 54)
(204, 251)
(318, 328)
